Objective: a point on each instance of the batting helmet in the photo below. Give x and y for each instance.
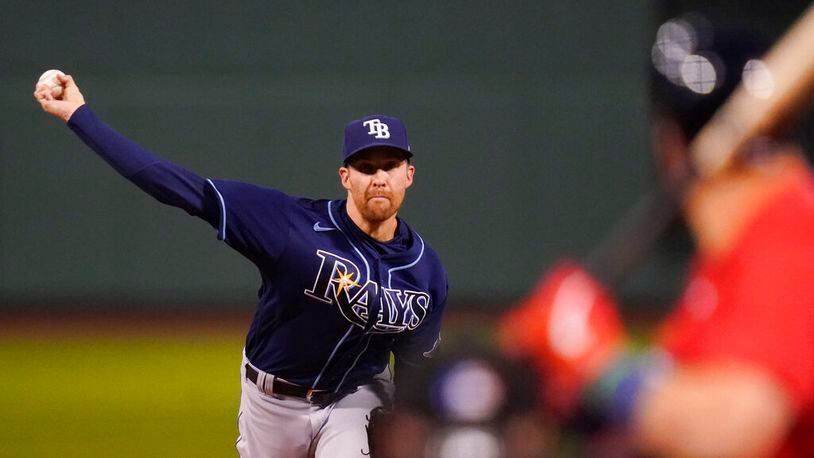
(696, 66)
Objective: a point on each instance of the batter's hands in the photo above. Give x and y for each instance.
(60, 101)
(570, 328)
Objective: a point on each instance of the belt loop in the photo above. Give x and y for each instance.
(268, 384)
(261, 381)
(261, 377)
(265, 382)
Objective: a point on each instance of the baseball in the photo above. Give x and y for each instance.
(49, 78)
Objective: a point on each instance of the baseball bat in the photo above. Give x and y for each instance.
(745, 116)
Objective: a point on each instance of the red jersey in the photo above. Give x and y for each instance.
(756, 304)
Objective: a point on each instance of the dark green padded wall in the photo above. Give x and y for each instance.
(528, 120)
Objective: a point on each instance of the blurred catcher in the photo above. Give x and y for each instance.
(731, 371)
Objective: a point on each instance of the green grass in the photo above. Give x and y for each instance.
(135, 395)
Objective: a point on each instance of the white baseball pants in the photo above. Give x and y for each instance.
(273, 426)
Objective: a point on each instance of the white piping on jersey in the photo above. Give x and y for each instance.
(420, 254)
(389, 285)
(369, 337)
(332, 356)
(331, 215)
(222, 209)
(367, 267)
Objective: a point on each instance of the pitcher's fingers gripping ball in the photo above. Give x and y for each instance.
(51, 79)
(58, 94)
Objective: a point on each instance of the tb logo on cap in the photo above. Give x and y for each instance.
(377, 127)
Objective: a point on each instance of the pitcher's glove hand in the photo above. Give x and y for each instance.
(377, 421)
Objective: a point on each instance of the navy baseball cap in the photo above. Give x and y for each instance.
(375, 130)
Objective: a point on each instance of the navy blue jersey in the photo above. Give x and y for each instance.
(334, 302)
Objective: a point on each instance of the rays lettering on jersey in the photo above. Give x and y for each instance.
(338, 283)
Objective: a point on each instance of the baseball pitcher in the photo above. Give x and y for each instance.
(344, 282)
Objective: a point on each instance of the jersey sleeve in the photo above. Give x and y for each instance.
(165, 181)
(770, 321)
(773, 324)
(251, 219)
